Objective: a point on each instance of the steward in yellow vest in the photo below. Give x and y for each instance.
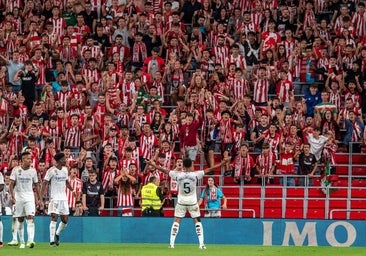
(152, 199)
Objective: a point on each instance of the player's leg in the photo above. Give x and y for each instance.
(30, 230)
(19, 213)
(194, 211)
(20, 225)
(199, 232)
(60, 228)
(53, 224)
(30, 210)
(174, 231)
(14, 232)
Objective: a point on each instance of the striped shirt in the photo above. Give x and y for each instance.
(77, 185)
(73, 137)
(148, 145)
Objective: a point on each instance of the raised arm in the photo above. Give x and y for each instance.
(149, 162)
(223, 162)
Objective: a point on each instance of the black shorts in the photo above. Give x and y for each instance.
(209, 145)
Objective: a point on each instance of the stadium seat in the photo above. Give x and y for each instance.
(294, 213)
(252, 191)
(339, 215)
(358, 204)
(358, 193)
(315, 192)
(231, 191)
(274, 191)
(295, 192)
(294, 203)
(358, 215)
(271, 213)
(316, 204)
(315, 214)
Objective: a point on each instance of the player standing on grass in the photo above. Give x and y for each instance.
(23, 179)
(57, 179)
(187, 197)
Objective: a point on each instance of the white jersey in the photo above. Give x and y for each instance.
(187, 184)
(57, 182)
(24, 180)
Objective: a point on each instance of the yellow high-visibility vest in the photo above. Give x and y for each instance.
(149, 197)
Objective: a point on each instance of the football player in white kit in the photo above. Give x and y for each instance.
(23, 179)
(56, 179)
(187, 179)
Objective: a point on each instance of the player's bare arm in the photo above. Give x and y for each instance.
(40, 198)
(223, 162)
(152, 163)
(12, 185)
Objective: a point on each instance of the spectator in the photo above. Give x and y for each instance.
(307, 166)
(188, 135)
(152, 199)
(354, 132)
(265, 165)
(93, 195)
(244, 165)
(77, 185)
(312, 98)
(79, 211)
(211, 196)
(316, 141)
(14, 65)
(125, 192)
(286, 165)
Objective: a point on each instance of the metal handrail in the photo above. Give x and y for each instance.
(345, 210)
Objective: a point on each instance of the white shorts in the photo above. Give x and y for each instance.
(24, 208)
(59, 207)
(180, 211)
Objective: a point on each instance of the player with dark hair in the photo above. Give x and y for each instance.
(187, 179)
(57, 180)
(23, 178)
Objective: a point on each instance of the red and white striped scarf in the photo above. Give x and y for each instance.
(242, 163)
(139, 50)
(265, 162)
(356, 133)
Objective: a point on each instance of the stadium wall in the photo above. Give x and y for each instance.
(217, 231)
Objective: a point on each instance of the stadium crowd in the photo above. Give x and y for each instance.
(115, 83)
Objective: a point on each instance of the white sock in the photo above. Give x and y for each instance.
(199, 231)
(14, 229)
(60, 227)
(52, 230)
(1, 231)
(21, 231)
(30, 230)
(174, 232)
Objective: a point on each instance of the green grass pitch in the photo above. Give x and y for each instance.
(180, 249)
